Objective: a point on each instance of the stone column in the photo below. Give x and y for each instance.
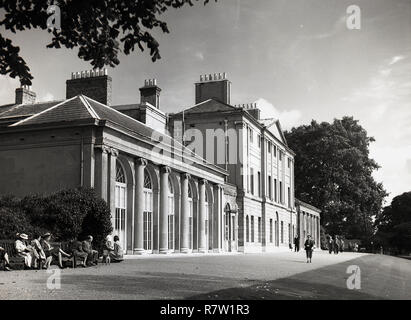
(303, 228)
(112, 184)
(319, 232)
(101, 168)
(140, 164)
(202, 245)
(165, 171)
(184, 231)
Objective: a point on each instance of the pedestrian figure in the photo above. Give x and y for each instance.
(296, 243)
(330, 244)
(308, 246)
(336, 244)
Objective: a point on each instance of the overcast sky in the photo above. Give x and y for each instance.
(297, 59)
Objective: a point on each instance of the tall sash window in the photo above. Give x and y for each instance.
(148, 212)
(121, 204)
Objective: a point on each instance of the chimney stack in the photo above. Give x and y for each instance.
(213, 86)
(253, 110)
(95, 84)
(150, 93)
(24, 95)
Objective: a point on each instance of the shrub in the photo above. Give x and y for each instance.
(68, 214)
(13, 221)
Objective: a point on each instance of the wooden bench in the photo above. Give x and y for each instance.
(16, 262)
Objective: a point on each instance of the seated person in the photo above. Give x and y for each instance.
(4, 259)
(24, 250)
(88, 248)
(76, 249)
(117, 254)
(40, 256)
(51, 252)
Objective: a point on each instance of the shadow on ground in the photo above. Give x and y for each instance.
(382, 278)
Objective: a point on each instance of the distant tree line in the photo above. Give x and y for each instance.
(394, 225)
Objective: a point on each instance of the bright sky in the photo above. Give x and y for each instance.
(297, 59)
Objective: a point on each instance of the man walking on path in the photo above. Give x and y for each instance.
(330, 244)
(308, 246)
(336, 245)
(296, 243)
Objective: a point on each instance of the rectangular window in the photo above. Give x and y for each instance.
(227, 223)
(250, 134)
(270, 194)
(171, 231)
(271, 230)
(260, 234)
(259, 183)
(289, 197)
(268, 146)
(252, 180)
(190, 223)
(259, 141)
(275, 151)
(289, 162)
(282, 231)
(252, 228)
(281, 192)
(148, 230)
(275, 190)
(247, 229)
(233, 228)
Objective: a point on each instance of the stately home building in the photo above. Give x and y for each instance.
(212, 178)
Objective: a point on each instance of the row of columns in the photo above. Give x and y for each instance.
(165, 171)
(310, 224)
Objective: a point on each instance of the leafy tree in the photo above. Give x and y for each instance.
(100, 29)
(394, 223)
(333, 172)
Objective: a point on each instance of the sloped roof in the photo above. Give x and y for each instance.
(82, 107)
(6, 107)
(107, 113)
(68, 110)
(210, 105)
(21, 110)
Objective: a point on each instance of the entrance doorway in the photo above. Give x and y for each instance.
(230, 229)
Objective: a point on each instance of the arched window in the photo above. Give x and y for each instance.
(147, 180)
(148, 212)
(190, 216)
(170, 215)
(120, 176)
(120, 204)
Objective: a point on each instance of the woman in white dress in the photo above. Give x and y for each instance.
(24, 250)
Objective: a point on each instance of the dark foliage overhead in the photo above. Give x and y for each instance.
(100, 29)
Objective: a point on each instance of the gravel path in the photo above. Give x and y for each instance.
(283, 275)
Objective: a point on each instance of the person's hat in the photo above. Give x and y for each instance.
(24, 236)
(47, 234)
